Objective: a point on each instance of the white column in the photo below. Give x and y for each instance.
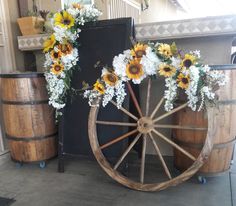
(7, 57)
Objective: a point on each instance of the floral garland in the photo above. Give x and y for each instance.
(61, 51)
(181, 72)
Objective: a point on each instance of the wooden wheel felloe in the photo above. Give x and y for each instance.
(147, 127)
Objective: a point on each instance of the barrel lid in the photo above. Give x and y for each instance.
(22, 75)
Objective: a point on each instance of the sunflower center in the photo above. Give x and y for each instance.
(100, 88)
(185, 80)
(187, 63)
(66, 21)
(65, 49)
(111, 78)
(140, 53)
(55, 55)
(134, 69)
(167, 69)
(57, 68)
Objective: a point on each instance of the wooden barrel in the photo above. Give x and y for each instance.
(192, 141)
(28, 119)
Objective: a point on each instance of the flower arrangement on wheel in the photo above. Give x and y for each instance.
(61, 51)
(182, 72)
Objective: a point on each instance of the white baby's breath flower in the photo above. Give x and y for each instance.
(140, 79)
(196, 53)
(48, 60)
(150, 62)
(70, 60)
(92, 97)
(120, 93)
(109, 94)
(175, 62)
(205, 68)
(170, 93)
(192, 89)
(119, 64)
(73, 11)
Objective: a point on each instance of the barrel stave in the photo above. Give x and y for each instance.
(28, 119)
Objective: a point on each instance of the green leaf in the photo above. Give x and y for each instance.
(173, 48)
(85, 85)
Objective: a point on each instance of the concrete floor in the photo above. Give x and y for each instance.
(85, 184)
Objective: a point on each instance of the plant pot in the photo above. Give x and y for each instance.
(30, 25)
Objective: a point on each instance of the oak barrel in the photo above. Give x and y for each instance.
(28, 119)
(221, 155)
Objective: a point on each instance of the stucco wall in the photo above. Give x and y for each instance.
(52, 5)
(14, 14)
(159, 10)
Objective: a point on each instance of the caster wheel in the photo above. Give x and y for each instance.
(42, 164)
(202, 179)
(19, 165)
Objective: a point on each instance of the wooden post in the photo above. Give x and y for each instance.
(23, 7)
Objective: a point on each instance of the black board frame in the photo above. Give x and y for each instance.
(127, 23)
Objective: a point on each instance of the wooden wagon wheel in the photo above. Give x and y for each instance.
(146, 125)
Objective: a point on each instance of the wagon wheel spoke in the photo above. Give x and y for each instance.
(170, 112)
(169, 126)
(160, 156)
(117, 123)
(174, 145)
(157, 107)
(127, 151)
(118, 139)
(147, 125)
(143, 159)
(148, 96)
(125, 111)
(134, 99)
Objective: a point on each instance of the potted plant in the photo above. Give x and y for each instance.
(32, 23)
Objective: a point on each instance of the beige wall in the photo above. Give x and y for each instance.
(14, 14)
(159, 10)
(101, 5)
(51, 5)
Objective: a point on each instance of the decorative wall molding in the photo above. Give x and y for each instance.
(33, 42)
(200, 27)
(209, 26)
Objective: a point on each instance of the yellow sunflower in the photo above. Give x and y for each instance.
(166, 70)
(183, 81)
(134, 69)
(139, 50)
(64, 20)
(57, 68)
(188, 61)
(77, 6)
(99, 87)
(49, 43)
(165, 50)
(56, 55)
(110, 78)
(65, 48)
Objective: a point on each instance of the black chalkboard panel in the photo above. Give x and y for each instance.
(99, 41)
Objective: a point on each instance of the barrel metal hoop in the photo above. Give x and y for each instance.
(199, 146)
(24, 75)
(225, 144)
(25, 102)
(28, 139)
(227, 102)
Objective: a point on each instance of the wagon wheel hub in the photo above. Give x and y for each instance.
(145, 125)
